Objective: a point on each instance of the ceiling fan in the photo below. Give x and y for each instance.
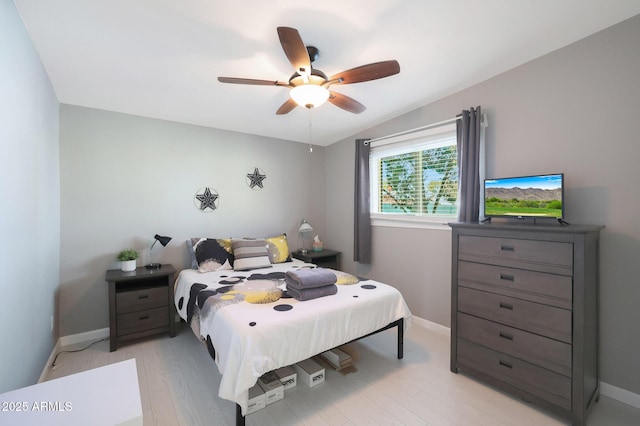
(310, 87)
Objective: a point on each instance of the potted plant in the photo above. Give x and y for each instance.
(127, 258)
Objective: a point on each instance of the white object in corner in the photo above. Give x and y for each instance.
(107, 395)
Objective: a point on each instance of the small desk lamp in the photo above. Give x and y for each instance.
(164, 241)
(305, 228)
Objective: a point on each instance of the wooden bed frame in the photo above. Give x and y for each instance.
(240, 419)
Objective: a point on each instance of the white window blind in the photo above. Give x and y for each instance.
(415, 176)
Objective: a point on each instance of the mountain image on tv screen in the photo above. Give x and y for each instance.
(533, 196)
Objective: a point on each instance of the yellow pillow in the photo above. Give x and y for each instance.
(278, 248)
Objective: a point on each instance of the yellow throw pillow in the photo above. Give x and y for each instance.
(278, 248)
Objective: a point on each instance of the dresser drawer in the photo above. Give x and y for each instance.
(541, 382)
(544, 256)
(548, 353)
(551, 289)
(143, 320)
(541, 319)
(142, 298)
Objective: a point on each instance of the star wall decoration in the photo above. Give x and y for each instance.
(255, 179)
(206, 199)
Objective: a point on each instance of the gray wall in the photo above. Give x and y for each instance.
(30, 208)
(125, 178)
(573, 111)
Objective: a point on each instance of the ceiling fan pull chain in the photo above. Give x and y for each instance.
(310, 146)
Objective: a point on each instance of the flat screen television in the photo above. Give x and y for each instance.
(539, 196)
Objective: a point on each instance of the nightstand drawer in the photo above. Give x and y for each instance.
(543, 383)
(539, 350)
(143, 320)
(551, 289)
(544, 256)
(143, 298)
(542, 319)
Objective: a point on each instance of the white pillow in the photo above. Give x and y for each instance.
(250, 254)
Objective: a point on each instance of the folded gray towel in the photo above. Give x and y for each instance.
(309, 278)
(312, 293)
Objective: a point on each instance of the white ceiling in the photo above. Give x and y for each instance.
(161, 58)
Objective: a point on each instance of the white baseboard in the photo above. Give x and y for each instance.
(71, 340)
(47, 366)
(84, 337)
(619, 394)
(433, 326)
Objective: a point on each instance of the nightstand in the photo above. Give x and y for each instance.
(140, 303)
(325, 258)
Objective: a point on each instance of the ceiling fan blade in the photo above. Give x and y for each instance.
(295, 49)
(346, 103)
(251, 81)
(366, 72)
(287, 107)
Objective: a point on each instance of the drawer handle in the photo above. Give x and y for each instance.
(505, 364)
(144, 317)
(506, 336)
(506, 306)
(507, 277)
(507, 248)
(143, 296)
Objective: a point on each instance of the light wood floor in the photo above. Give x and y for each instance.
(179, 383)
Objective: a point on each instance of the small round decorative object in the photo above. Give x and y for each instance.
(206, 199)
(255, 178)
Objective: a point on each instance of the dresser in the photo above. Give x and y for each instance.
(524, 311)
(140, 303)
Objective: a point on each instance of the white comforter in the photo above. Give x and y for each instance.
(251, 339)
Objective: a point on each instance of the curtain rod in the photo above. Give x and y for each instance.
(417, 129)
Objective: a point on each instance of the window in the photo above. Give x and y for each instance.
(415, 177)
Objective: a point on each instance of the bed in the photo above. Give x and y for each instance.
(250, 327)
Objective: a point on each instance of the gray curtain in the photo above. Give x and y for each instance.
(468, 129)
(361, 216)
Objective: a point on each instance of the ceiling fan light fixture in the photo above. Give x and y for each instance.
(310, 86)
(309, 95)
